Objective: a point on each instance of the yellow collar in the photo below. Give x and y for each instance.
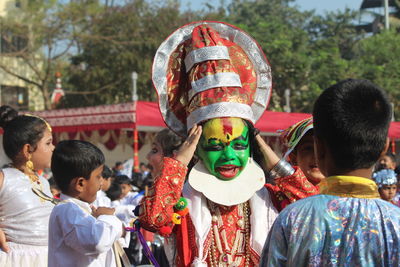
(349, 186)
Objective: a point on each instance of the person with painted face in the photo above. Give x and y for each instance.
(214, 83)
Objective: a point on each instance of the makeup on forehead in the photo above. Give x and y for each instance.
(223, 129)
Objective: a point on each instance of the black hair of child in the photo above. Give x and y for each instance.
(352, 117)
(391, 156)
(122, 179)
(19, 130)
(107, 172)
(72, 159)
(114, 192)
(169, 142)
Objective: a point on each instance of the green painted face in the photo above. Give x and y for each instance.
(224, 147)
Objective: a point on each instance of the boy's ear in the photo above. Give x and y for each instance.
(78, 184)
(385, 148)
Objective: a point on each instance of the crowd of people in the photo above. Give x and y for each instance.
(213, 191)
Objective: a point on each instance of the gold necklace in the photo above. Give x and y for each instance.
(230, 257)
(35, 181)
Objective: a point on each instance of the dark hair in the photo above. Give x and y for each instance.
(255, 151)
(353, 117)
(72, 159)
(20, 130)
(107, 172)
(391, 156)
(122, 179)
(169, 141)
(114, 192)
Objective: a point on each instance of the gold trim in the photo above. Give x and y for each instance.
(349, 186)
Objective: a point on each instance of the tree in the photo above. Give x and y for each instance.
(378, 59)
(131, 35)
(45, 36)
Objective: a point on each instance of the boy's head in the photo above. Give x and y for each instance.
(387, 182)
(114, 192)
(106, 175)
(298, 140)
(125, 184)
(118, 166)
(77, 167)
(387, 161)
(351, 122)
(55, 191)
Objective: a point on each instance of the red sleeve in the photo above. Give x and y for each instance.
(157, 207)
(290, 188)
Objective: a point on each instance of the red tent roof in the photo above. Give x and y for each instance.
(149, 119)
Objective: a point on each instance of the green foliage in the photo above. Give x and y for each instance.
(378, 59)
(100, 44)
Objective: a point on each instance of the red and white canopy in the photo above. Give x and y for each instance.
(120, 116)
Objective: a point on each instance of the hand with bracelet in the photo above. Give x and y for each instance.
(272, 164)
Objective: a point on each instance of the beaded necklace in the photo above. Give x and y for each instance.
(230, 257)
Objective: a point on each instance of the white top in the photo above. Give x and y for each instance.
(124, 207)
(132, 198)
(24, 216)
(102, 200)
(76, 238)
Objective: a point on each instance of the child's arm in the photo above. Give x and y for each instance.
(3, 242)
(85, 233)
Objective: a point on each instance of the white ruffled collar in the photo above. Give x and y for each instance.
(231, 192)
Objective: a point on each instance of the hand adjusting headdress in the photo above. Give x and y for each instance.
(208, 70)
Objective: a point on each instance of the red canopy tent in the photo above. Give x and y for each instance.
(149, 119)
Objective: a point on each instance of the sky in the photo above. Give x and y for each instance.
(320, 6)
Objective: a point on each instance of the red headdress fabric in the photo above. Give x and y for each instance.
(208, 70)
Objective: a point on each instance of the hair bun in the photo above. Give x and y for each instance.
(7, 114)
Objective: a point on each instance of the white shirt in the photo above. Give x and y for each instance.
(102, 200)
(76, 238)
(124, 207)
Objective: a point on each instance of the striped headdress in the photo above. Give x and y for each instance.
(292, 135)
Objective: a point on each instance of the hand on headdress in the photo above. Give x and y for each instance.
(187, 149)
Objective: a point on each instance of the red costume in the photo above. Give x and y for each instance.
(158, 207)
(204, 71)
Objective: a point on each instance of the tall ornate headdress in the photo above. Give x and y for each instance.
(207, 70)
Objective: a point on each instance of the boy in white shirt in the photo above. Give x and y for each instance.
(125, 206)
(79, 234)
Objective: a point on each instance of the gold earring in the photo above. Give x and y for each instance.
(29, 165)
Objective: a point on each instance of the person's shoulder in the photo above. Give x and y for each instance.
(65, 207)
(389, 209)
(311, 204)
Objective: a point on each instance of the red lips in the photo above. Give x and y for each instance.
(228, 171)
